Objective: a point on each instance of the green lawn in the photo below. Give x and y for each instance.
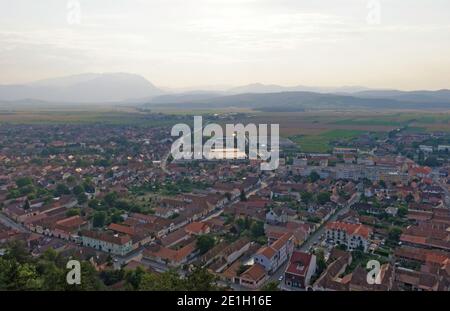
(397, 119)
(322, 142)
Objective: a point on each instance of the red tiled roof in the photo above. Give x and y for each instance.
(278, 244)
(103, 236)
(267, 251)
(255, 272)
(74, 221)
(351, 229)
(196, 227)
(121, 229)
(299, 263)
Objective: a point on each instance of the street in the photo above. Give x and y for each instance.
(11, 224)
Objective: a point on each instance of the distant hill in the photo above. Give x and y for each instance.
(131, 89)
(259, 88)
(84, 88)
(185, 97)
(441, 96)
(300, 101)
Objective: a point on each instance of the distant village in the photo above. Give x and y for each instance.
(113, 196)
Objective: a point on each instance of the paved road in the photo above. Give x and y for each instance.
(315, 237)
(12, 224)
(164, 162)
(446, 192)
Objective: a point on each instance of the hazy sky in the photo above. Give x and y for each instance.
(186, 43)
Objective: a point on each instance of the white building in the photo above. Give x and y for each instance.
(444, 148)
(114, 244)
(273, 256)
(425, 148)
(352, 235)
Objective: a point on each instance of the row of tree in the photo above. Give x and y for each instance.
(21, 271)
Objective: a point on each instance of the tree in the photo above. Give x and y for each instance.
(200, 280)
(99, 219)
(409, 198)
(314, 176)
(431, 161)
(24, 181)
(134, 278)
(394, 235)
(167, 281)
(20, 271)
(71, 180)
(94, 204)
(82, 198)
(61, 189)
(110, 277)
(306, 197)
(110, 199)
(77, 190)
(402, 211)
(270, 287)
(116, 217)
(88, 186)
(27, 205)
(205, 242)
(323, 198)
(242, 269)
(321, 264)
(243, 197)
(73, 212)
(257, 229)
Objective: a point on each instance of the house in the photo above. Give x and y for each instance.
(253, 277)
(165, 212)
(106, 242)
(224, 255)
(422, 256)
(345, 151)
(331, 279)
(139, 233)
(426, 149)
(68, 228)
(300, 269)
(358, 279)
(175, 237)
(352, 235)
(273, 256)
(426, 236)
(169, 256)
(280, 215)
(197, 228)
(429, 278)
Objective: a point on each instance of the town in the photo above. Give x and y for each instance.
(113, 197)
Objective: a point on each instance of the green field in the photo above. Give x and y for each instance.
(322, 142)
(91, 117)
(397, 119)
(313, 131)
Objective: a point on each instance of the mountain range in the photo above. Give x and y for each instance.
(125, 88)
(83, 88)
